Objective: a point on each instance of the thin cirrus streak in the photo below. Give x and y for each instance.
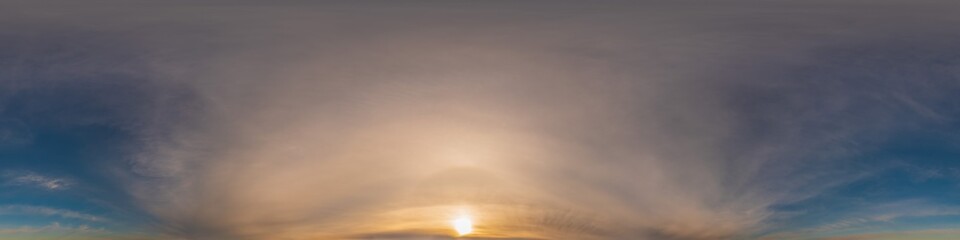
(36, 180)
(531, 120)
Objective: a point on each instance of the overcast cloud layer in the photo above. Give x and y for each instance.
(542, 120)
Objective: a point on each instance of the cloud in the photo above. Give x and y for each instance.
(55, 230)
(46, 211)
(621, 121)
(14, 133)
(872, 217)
(25, 178)
(918, 235)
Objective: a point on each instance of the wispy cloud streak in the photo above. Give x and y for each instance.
(24, 178)
(545, 121)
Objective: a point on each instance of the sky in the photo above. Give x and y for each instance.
(648, 120)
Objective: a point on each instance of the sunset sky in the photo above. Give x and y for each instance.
(619, 120)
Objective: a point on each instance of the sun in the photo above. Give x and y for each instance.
(463, 225)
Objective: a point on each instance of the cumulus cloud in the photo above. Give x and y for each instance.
(620, 121)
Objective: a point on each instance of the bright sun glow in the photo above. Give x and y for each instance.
(463, 225)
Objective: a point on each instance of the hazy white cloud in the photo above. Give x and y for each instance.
(56, 230)
(14, 133)
(902, 235)
(26, 178)
(647, 121)
(46, 211)
(867, 217)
